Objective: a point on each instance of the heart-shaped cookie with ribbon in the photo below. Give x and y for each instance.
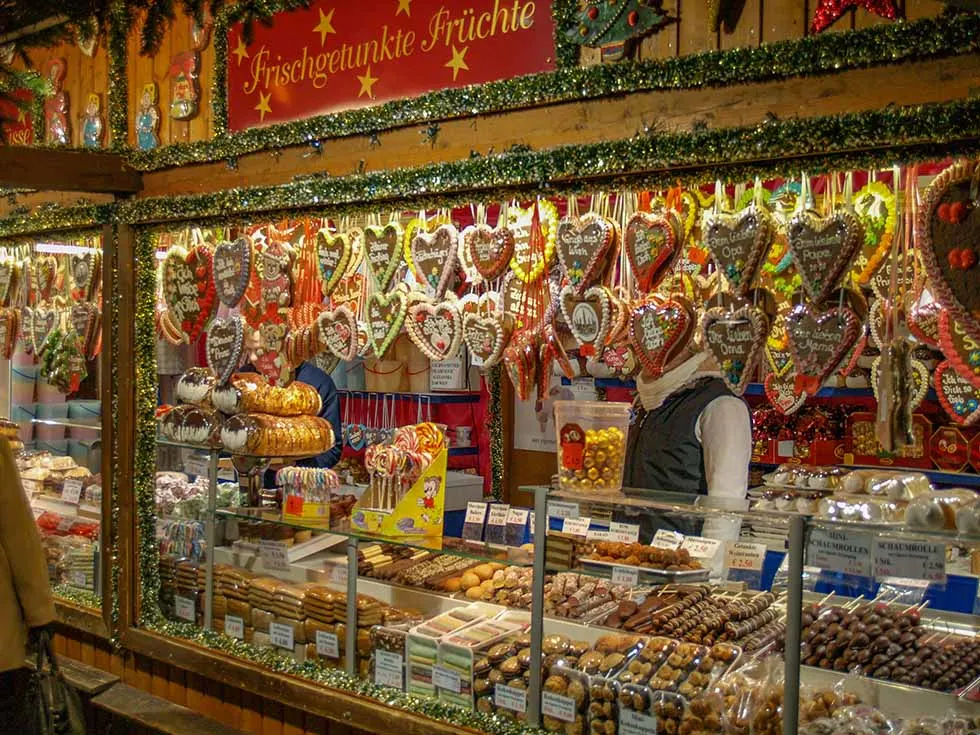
(958, 397)
(735, 339)
(659, 331)
(45, 275)
(486, 336)
(620, 360)
(434, 257)
(780, 361)
(224, 345)
(8, 279)
(881, 279)
(338, 332)
(819, 340)
(188, 289)
(43, 322)
(960, 349)
(275, 266)
(652, 242)
(332, 255)
(232, 269)
(874, 204)
(587, 316)
(490, 250)
(385, 316)
(823, 248)
(923, 322)
(585, 245)
(383, 250)
(436, 329)
(531, 259)
(8, 332)
(738, 242)
(781, 393)
(83, 268)
(87, 321)
(919, 375)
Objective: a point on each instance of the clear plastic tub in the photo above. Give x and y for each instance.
(591, 439)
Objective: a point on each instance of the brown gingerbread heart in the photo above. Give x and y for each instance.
(83, 267)
(584, 246)
(958, 397)
(781, 393)
(338, 332)
(587, 316)
(332, 254)
(232, 269)
(659, 330)
(652, 242)
(436, 329)
(486, 336)
(738, 243)
(823, 248)
(489, 249)
(383, 250)
(385, 315)
(85, 318)
(44, 320)
(224, 344)
(735, 339)
(960, 349)
(819, 340)
(434, 257)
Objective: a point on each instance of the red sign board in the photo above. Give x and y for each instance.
(18, 126)
(338, 55)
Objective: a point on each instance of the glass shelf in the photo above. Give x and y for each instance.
(222, 452)
(70, 424)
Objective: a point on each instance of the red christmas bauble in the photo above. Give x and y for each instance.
(592, 12)
(633, 18)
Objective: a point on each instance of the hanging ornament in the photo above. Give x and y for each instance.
(56, 126)
(201, 32)
(188, 290)
(738, 243)
(819, 340)
(490, 250)
(920, 381)
(659, 330)
(9, 324)
(383, 250)
(433, 258)
(82, 269)
(385, 314)
(92, 126)
(147, 118)
(960, 349)
(735, 339)
(958, 397)
(521, 362)
(653, 244)
(782, 395)
(87, 36)
(232, 270)
(274, 264)
(829, 11)
(333, 253)
(9, 277)
(185, 91)
(269, 358)
(486, 337)
(585, 247)
(874, 204)
(614, 26)
(823, 248)
(534, 239)
(587, 316)
(224, 346)
(86, 320)
(436, 329)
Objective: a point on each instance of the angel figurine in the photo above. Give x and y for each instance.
(57, 131)
(92, 123)
(147, 119)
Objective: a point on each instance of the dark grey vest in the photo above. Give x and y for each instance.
(663, 452)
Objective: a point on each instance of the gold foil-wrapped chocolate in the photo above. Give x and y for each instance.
(277, 436)
(252, 393)
(602, 460)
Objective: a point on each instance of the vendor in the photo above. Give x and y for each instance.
(313, 376)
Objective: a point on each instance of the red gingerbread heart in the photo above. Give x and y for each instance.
(652, 243)
(338, 332)
(659, 330)
(489, 249)
(958, 397)
(188, 289)
(960, 349)
(584, 248)
(782, 395)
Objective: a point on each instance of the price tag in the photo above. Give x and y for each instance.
(510, 698)
(294, 505)
(65, 524)
(920, 585)
(530, 521)
(743, 555)
(785, 447)
(227, 475)
(184, 608)
(840, 550)
(71, 491)
(701, 548)
(338, 574)
(910, 559)
(666, 539)
(497, 523)
(636, 723)
(197, 464)
(624, 533)
(476, 512)
(275, 556)
(557, 509)
(558, 706)
(78, 579)
(576, 526)
(327, 644)
(281, 636)
(234, 627)
(388, 668)
(597, 534)
(627, 576)
(446, 679)
(518, 516)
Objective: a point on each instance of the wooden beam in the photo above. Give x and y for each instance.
(66, 170)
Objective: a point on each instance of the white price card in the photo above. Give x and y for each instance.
(327, 644)
(597, 534)
(745, 556)
(65, 524)
(910, 559)
(338, 574)
(624, 533)
(576, 526)
(636, 723)
(78, 579)
(281, 636)
(197, 464)
(701, 548)
(498, 514)
(510, 698)
(558, 706)
(627, 576)
(184, 608)
(275, 556)
(71, 491)
(388, 669)
(558, 509)
(840, 550)
(446, 679)
(234, 627)
(663, 539)
(518, 517)
(530, 523)
(476, 512)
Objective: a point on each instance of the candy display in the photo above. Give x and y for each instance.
(276, 436)
(308, 496)
(395, 467)
(641, 555)
(592, 444)
(191, 424)
(253, 393)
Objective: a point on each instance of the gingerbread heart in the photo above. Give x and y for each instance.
(85, 319)
(8, 279)
(620, 359)
(223, 346)
(8, 332)
(518, 301)
(332, 254)
(434, 256)
(584, 246)
(338, 332)
(26, 330)
(959, 398)
(874, 205)
(881, 279)
(738, 243)
(385, 316)
(735, 338)
(349, 293)
(780, 361)
(948, 224)
(960, 349)
(923, 322)
(919, 375)
(188, 289)
(782, 395)
(436, 329)
(486, 337)
(659, 331)
(490, 250)
(652, 243)
(232, 269)
(42, 323)
(877, 323)
(819, 341)
(587, 316)
(383, 250)
(530, 260)
(823, 248)
(82, 267)
(355, 236)
(45, 274)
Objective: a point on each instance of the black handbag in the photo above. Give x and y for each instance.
(57, 706)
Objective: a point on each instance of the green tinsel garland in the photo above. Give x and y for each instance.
(73, 221)
(496, 430)
(115, 301)
(118, 79)
(824, 53)
(76, 596)
(772, 148)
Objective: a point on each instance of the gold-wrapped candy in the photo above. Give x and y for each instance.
(252, 393)
(277, 436)
(602, 460)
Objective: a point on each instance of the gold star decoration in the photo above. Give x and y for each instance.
(404, 6)
(263, 106)
(325, 25)
(21, 117)
(367, 84)
(458, 61)
(240, 50)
